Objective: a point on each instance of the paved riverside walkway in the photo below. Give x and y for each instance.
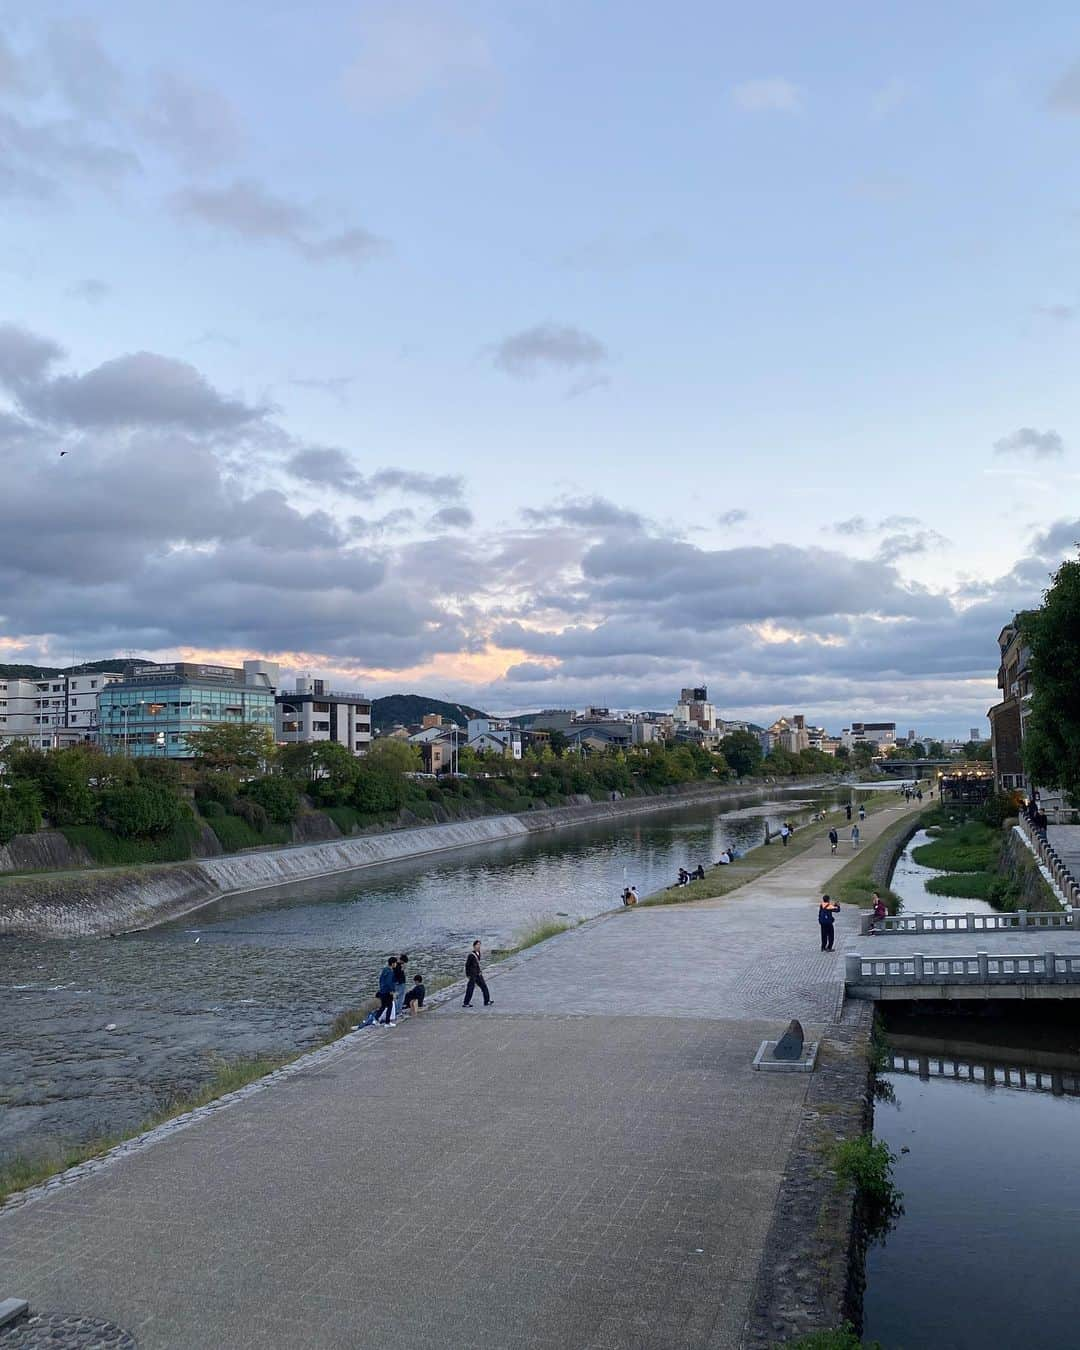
(591, 1162)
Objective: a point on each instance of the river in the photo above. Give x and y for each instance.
(984, 1127)
(267, 973)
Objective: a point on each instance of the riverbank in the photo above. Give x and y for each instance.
(596, 1147)
(96, 902)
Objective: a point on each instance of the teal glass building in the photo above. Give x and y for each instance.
(152, 710)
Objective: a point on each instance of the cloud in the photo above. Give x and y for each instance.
(194, 122)
(735, 516)
(40, 160)
(768, 95)
(142, 389)
(853, 525)
(587, 513)
(336, 386)
(90, 81)
(250, 211)
(327, 466)
(904, 545)
(548, 346)
(1059, 313)
(1028, 441)
(452, 518)
(1065, 94)
(411, 51)
(587, 384)
(89, 289)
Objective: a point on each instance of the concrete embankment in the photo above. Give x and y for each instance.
(88, 902)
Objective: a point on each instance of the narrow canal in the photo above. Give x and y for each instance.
(984, 1127)
(99, 1032)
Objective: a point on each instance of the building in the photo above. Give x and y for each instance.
(1007, 717)
(311, 713)
(974, 734)
(152, 710)
(694, 709)
(51, 711)
(792, 735)
(494, 736)
(881, 735)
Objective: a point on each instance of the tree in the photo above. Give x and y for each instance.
(138, 810)
(935, 750)
(20, 807)
(395, 756)
(557, 741)
(862, 754)
(277, 797)
(1052, 733)
(242, 747)
(742, 750)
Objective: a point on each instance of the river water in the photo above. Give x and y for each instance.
(267, 973)
(984, 1125)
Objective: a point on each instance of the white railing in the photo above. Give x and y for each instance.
(910, 925)
(970, 968)
(1066, 885)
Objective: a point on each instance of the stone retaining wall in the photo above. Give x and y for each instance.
(90, 902)
(812, 1273)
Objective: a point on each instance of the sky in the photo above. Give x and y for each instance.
(542, 354)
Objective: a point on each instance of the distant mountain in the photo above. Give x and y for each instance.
(123, 664)
(407, 709)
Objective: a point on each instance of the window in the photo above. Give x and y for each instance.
(93, 684)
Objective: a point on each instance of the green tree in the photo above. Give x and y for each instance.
(935, 750)
(779, 762)
(395, 756)
(20, 807)
(557, 741)
(742, 750)
(862, 754)
(277, 796)
(138, 810)
(378, 789)
(240, 747)
(1052, 733)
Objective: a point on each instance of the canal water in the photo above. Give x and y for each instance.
(909, 882)
(984, 1127)
(98, 1033)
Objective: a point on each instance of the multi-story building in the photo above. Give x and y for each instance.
(311, 712)
(881, 735)
(694, 709)
(50, 711)
(1007, 717)
(151, 711)
(494, 736)
(792, 735)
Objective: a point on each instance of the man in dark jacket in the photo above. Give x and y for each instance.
(386, 991)
(476, 979)
(826, 910)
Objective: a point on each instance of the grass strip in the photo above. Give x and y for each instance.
(756, 862)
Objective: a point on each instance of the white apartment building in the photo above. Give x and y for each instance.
(54, 710)
(311, 712)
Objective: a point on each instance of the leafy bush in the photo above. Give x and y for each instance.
(969, 885)
(867, 1164)
(141, 810)
(211, 809)
(378, 789)
(278, 798)
(251, 813)
(836, 1338)
(235, 833)
(109, 850)
(20, 808)
(1001, 807)
(217, 787)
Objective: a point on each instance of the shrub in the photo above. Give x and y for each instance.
(836, 1338)
(217, 787)
(378, 789)
(968, 885)
(867, 1164)
(211, 809)
(970, 847)
(251, 812)
(234, 833)
(344, 817)
(110, 850)
(277, 797)
(141, 810)
(20, 808)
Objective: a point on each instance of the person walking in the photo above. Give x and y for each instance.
(862, 811)
(386, 992)
(847, 809)
(826, 920)
(834, 840)
(785, 833)
(854, 836)
(475, 977)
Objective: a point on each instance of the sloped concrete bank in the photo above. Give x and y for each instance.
(88, 903)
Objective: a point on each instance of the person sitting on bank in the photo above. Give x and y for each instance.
(629, 896)
(414, 999)
(699, 875)
(880, 911)
(684, 877)
(724, 858)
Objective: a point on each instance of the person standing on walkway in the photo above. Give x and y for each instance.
(854, 836)
(834, 839)
(475, 977)
(386, 992)
(862, 811)
(825, 917)
(847, 809)
(399, 982)
(785, 834)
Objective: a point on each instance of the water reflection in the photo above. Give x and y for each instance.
(984, 1130)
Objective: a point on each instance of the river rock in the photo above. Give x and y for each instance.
(790, 1044)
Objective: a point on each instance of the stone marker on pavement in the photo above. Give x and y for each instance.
(790, 1044)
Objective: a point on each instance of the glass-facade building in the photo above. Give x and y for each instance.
(152, 711)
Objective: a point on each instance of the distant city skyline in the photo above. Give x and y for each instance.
(542, 356)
